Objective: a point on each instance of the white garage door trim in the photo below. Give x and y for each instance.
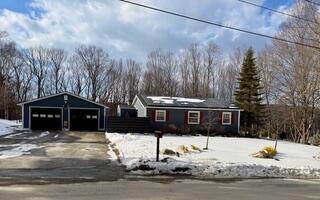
(30, 108)
(80, 108)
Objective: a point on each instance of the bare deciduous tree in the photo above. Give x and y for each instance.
(298, 73)
(94, 61)
(132, 78)
(37, 58)
(57, 70)
(160, 77)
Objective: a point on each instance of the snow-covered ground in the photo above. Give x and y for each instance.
(16, 150)
(226, 156)
(7, 129)
(7, 126)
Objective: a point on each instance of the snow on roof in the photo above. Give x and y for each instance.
(170, 100)
(165, 101)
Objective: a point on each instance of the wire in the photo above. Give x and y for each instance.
(220, 25)
(276, 11)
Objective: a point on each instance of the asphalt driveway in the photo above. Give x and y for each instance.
(58, 157)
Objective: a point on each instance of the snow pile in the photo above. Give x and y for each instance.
(14, 135)
(16, 150)
(170, 100)
(43, 134)
(230, 157)
(6, 126)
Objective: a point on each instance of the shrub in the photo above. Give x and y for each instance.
(168, 152)
(267, 152)
(315, 140)
(195, 148)
(172, 128)
(183, 149)
(271, 151)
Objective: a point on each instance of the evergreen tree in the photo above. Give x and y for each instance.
(248, 96)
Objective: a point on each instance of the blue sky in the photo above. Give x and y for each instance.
(15, 5)
(22, 5)
(128, 31)
(275, 3)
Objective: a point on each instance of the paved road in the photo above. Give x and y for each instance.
(65, 157)
(164, 190)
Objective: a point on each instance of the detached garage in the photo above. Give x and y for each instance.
(64, 111)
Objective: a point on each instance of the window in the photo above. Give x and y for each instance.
(160, 116)
(194, 117)
(226, 118)
(35, 115)
(57, 116)
(88, 116)
(42, 115)
(50, 116)
(94, 117)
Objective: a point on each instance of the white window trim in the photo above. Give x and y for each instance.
(198, 112)
(227, 113)
(164, 114)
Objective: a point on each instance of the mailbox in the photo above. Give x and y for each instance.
(158, 134)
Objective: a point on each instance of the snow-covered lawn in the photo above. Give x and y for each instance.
(230, 157)
(7, 126)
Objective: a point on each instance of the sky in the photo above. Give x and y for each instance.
(127, 31)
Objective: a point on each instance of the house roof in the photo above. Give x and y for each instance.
(126, 106)
(62, 93)
(180, 102)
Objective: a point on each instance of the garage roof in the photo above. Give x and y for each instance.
(62, 93)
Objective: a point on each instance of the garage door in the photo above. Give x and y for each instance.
(83, 119)
(46, 119)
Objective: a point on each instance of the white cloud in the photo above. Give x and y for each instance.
(129, 31)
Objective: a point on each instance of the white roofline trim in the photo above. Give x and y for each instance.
(194, 108)
(134, 99)
(68, 93)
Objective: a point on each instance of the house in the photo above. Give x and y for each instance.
(177, 114)
(125, 110)
(63, 111)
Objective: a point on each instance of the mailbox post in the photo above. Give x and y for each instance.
(158, 134)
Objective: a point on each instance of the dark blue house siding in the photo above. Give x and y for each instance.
(58, 102)
(178, 121)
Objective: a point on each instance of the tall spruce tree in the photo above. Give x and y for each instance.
(248, 96)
